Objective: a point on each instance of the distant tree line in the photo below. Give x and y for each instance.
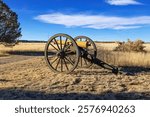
(31, 41)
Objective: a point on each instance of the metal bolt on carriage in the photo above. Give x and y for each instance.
(63, 54)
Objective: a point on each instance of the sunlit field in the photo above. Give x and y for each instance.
(25, 75)
(105, 52)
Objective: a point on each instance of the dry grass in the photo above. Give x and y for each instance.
(106, 46)
(147, 47)
(23, 47)
(138, 59)
(112, 46)
(104, 52)
(126, 58)
(133, 59)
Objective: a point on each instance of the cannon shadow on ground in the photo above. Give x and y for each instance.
(27, 53)
(18, 94)
(133, 70)
(126, 70)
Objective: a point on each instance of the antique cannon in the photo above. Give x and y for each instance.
(64, 54)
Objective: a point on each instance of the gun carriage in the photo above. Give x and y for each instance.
(63, 54)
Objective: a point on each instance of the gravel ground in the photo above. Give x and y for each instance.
(28, 77)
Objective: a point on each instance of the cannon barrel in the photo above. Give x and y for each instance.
(79, 43)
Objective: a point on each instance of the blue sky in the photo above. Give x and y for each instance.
(101, 20)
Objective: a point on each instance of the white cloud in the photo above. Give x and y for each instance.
(123, 2)
(94, 21)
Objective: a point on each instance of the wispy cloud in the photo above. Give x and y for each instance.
(123, 2)
(94, 21)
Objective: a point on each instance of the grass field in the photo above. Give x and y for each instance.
(25, 75)
(138, 59)
(104, 52)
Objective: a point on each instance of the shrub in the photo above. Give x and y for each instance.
(129, 46)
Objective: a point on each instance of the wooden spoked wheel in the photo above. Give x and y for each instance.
(88, 53)
(62, 53)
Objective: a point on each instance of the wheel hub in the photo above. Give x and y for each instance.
(61, 54)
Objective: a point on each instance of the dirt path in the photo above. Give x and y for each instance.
(23, 77)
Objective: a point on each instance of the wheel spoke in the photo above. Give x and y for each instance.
(54, 47)
(69, 61)
(70, 53)
(60, 43)
(65, 43)
(68, 47)
(61, 65)
(54, 60)
(66, 64)
(57, 63)
(57, 44)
